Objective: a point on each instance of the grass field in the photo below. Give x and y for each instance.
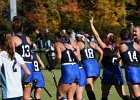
(50, 86)
(97, 88)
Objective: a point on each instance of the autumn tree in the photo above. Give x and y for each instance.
(5, 23)
(109, 15)
(133, 11)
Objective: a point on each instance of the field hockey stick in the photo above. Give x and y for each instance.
(34, 86)
(39, 51)
(132, 28)
(50, 66)
(54, 78)
(47, 92)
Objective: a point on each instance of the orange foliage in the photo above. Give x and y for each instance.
(31, 16)
(38, 17)
(72, 6)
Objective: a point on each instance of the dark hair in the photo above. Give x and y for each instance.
(63, 38)
(6, 43)
(58, 35)
(78, 38)
(138, 26)
(126, 34)
(17, 24)
(69, 32)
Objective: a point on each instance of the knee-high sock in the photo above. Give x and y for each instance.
(126, 97)
(91, 95)
(104, 99)
(137, 98)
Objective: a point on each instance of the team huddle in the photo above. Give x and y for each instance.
(20, 65)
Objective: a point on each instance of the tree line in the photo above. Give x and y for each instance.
(109, 15)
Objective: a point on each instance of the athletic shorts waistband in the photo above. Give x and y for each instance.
(80, 67)
(28, 62)
(68, 63)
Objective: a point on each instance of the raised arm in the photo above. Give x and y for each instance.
(101, 43)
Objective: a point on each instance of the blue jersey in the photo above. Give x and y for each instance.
(130, 57)
(90, 64)
(109, 59)
(36, 63)
(24, 48)
(87, 52)
(37, 74)
(68, 56)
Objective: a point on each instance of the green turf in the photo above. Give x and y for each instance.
(50, 86)
(97, 88)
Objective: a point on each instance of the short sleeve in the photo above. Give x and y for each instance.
(19, 59)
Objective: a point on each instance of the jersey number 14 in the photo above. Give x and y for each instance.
(132, 56)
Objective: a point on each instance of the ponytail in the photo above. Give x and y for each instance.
(6, 43)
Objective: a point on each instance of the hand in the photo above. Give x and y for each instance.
(47, 30)
(91, 20)
(68, 46)
(37, 31)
